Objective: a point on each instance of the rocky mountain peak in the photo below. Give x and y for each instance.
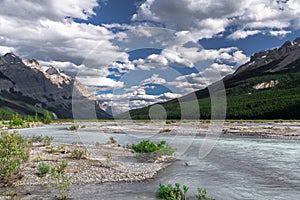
(297, 41)
(271, 61)
(53, 70)
(10, 58)
(31, 63)
(26, 81)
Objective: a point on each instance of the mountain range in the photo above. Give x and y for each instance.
(266, 87)
(27, 88)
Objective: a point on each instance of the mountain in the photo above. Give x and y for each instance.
(266, 87)
(27, 88)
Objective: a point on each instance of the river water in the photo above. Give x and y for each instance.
(236, 168)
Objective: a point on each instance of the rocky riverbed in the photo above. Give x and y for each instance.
(200, 128)
(101, 163)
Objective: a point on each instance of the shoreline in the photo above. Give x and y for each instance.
(93, 168)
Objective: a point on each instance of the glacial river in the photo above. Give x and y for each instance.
(236, 168)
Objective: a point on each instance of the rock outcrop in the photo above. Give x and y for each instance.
(278, 60)
(25, 81)
(266, 85)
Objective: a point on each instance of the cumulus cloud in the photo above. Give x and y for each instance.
(135, 97)
(196, 81)
(241, 34)
(154, 79)
(6, 49)
(101, 83)
(54, 10)
(46, 31)
(212, 17)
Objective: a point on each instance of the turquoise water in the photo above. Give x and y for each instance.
(236, 168)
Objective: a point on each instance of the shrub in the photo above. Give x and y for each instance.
(146, 146)
(172, 193)
(202, 194)
(43, 168)
(62, 181)
(108, 159)
(47, 140)
(16, 120)
(78, 153)
(38, 138)
(73, 127)
(47, 118)
(14, 150)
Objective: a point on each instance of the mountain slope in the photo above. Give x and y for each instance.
(267, 87)
(26, 88)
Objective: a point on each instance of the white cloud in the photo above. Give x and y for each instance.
(42, 31)
(196, 81)
(67, 67)
(280, 33)
(241, 34)
(5, 49)
(53, 9)
(135, 99)
(154, 79)
(209, 18)
(101, 83)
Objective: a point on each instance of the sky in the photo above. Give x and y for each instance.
(134, 53)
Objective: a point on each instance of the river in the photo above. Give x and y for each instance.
(236, 168)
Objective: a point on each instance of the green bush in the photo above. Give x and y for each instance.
(16, 120)
(43, 169)
(146, 146)
(47, 118)
(78, 153)
(172, 193)
(73, 127)
(14, 150)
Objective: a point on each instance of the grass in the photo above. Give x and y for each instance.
(78, 153)
(43, 169)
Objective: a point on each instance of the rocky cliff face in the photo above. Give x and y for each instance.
(51, 89)
(278, 60)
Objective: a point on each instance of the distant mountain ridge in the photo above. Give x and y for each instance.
(26, 88)
(266, 87)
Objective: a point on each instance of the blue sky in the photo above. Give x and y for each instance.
(133, 53)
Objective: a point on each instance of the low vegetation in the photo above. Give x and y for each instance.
(176, 192)
(148, 151)
(172, 193)
(108, 160)
(78, 153)
(146, 146)
(43, 169)
(14, 151)
(61, 180)
(45, 140)
(73, 127)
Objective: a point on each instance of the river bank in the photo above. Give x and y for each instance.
(101, 163)
(287, 130)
